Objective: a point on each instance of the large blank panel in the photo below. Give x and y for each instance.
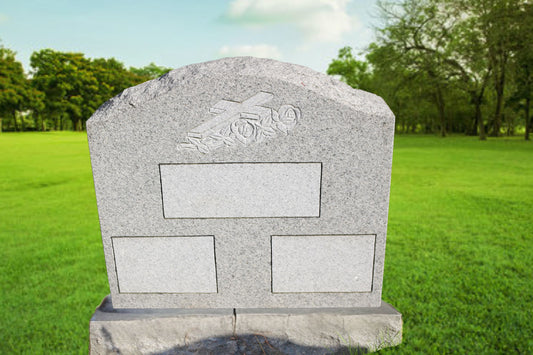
(322, 263)
(165, 264)
(233, 190)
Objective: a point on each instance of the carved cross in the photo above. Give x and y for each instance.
(227, 111)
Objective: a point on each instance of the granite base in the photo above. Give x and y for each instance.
(250, 331)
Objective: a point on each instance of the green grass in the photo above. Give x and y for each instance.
(52, 271)
(459, 262)
(460, 245)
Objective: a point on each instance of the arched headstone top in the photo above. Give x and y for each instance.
(237, 69)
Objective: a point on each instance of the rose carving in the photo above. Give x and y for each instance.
(244, 130)
(288, 117)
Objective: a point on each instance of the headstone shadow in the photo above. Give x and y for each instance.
(251, 344)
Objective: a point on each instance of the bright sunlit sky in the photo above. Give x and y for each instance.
(177, 33)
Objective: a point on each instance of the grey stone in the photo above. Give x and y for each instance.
(241, 190)
(247, 331)
(371, 328)
(227, 115)
(165, 264)
(115, 331)
(338, 263)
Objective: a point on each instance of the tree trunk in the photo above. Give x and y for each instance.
(479, 118)
(497, 123)
(481, 126)
(478, 100)
(1, 124)
(442, 116)
(508, 126)
(22, 128)
(15, 121)
(35, 120)
(472, 131)
(499, 85)
(529, 121)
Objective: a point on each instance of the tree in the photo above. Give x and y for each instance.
(150, 71)
(416, 96)
(353, 72)
(111, 78)
(440, 39)
(14, 87)
(436, 51)
(523, 66)
(75, 86)
(57, 75)
(496, 23)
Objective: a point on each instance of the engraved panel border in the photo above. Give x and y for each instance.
(373, 262)
(214, 262)
(319, 190)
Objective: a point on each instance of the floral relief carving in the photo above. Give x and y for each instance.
(242, 123)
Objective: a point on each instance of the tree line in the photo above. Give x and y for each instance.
(443, 66)
(62, 90)
(450, 66)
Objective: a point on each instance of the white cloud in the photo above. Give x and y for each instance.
(318, 20)
(260, 50)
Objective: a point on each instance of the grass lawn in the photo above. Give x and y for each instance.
(459, 262)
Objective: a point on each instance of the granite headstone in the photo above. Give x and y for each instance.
(240, 184)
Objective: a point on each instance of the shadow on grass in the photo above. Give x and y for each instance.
(250, 344)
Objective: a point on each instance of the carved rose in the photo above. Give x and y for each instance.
(244, 130)
(287, 119)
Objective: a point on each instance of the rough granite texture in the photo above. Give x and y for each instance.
(338, 263)
(245, 331)
(166, 264)
(243, 110)
(287, 190)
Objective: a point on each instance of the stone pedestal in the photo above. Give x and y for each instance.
(238, 331)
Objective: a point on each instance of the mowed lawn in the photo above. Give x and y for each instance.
(459, 263)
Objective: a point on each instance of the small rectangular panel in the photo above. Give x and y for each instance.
(322, 263)
(236, 190)
(165, 264)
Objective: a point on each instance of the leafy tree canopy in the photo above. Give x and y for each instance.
(151, 71)
(467, 59)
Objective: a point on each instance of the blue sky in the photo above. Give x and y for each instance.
(177, 33)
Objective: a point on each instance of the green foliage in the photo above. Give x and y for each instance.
(353, 72)
(75, 86)
(12, 82)
(16, 94)
(523, 69)
(459, 246)
(64, 89)
(150, 71)
(432, 52)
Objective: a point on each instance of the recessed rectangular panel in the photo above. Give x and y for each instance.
(165, 264)
(233, 190)
(322, 263)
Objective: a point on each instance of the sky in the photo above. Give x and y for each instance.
(179, 32)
